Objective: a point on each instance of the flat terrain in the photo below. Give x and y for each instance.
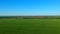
(30, 26)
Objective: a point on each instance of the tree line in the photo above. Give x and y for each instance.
(30, 17)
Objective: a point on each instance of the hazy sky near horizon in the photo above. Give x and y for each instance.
(29, 7)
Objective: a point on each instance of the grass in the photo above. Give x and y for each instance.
(30, 26)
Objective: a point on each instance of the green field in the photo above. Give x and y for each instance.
(30, 26)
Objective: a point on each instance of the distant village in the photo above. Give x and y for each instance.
(31, 17)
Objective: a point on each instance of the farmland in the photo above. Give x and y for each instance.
(29, 26)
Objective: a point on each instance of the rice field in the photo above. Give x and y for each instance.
(29, 26)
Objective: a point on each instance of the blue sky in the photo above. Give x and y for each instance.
(29, 7)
